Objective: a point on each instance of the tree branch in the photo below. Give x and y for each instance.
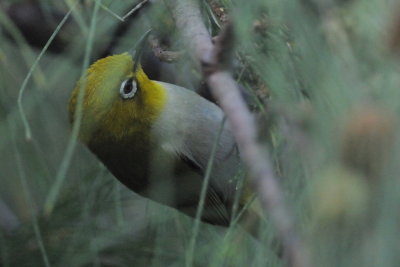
(189, 21)
(161, 53)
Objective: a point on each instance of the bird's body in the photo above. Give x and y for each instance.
(157, 138)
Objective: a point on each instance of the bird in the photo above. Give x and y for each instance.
(157, 138)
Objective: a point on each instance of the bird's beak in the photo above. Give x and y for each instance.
(136, 52)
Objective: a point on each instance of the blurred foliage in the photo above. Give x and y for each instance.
(330, 71)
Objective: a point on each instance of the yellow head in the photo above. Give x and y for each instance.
(117, 102)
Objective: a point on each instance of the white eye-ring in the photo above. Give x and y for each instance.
(128, 88)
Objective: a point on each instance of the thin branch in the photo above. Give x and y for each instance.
(53, 194)
(189, 21)
(24, 118)
(135, 8)
(127, 20)
(161, 53)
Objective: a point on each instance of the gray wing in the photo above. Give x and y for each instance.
(189, 128)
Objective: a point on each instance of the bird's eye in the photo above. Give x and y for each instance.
(128, 88)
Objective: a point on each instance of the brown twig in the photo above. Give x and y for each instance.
(189, 21)
(161, 53)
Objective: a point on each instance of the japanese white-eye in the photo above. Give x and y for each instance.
(157, 138)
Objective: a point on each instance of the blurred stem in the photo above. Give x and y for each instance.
(105, 8)
(86, 226)
(29, 199)
(118, 204)
(55, 189)
(28, 134)
(200, 208)
(135, 8)
(90, 196)
(239, 178)
(76, 14)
